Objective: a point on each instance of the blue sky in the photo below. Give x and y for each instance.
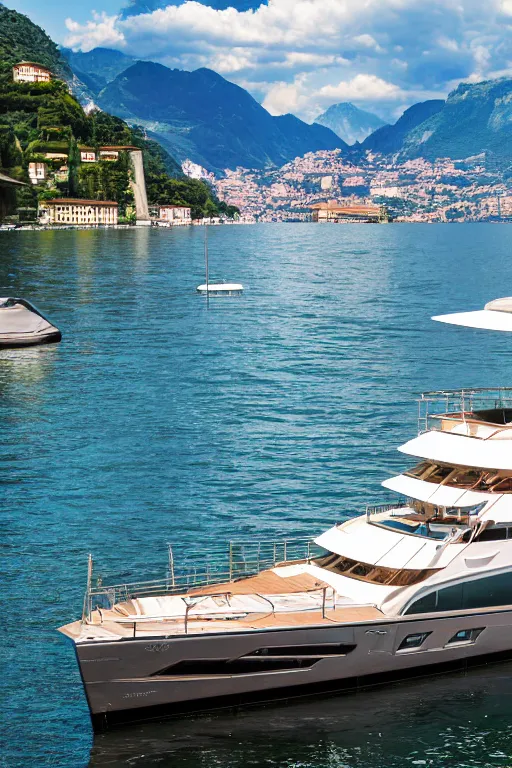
(301, 56)
(51, 14)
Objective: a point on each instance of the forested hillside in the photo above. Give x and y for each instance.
(43, 123)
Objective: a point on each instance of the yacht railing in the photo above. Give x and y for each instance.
(218, 565)
(377, 509)
(431, 405)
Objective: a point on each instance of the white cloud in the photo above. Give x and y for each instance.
(285, 97)
(361, 88)
(367, 41)
(298, 53)
(101, 31)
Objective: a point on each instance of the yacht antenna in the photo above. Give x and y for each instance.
(206, 258)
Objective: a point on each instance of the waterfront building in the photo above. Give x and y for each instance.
(30, 72)
(82, 212)
(333, 211)
(37, 172)
(175, 214)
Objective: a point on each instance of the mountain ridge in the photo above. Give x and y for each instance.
(202, 116)
(349, 122)
(475, 118)
(390, 138)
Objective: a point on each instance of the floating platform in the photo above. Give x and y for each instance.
(221, 289)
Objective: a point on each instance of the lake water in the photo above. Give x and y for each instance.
(159, 419)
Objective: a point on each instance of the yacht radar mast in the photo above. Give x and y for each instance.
(219, 287)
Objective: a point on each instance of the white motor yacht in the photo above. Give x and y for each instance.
(412, 587)
(22, 325)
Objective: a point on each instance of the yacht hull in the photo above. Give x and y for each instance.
(136, 679)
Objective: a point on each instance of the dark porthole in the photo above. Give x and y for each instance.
(413, 641)
(465, 636)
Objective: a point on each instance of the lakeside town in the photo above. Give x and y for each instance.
(322, 186)
(413, 191)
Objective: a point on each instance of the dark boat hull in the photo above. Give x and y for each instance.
(30, 340)
(139, 679)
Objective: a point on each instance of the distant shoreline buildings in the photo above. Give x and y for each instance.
(332, 211)
(417, 190)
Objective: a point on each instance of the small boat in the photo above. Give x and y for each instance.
(219, 287)
(22, 325)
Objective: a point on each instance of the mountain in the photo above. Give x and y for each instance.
(390, 138)
(349, 122)
(98, 67)
(135, 7)
(302, 137)
(20, 40)
(475, 118)
(201, 116)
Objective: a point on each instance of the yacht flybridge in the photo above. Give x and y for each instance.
(495, 316)
(410, 587)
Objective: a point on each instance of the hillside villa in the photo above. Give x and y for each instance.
(37, 172)
(111, 153)
(30, 72)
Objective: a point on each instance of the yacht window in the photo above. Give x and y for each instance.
(492, 534)
(413, 641)
(426, 604)
(465, 636)
(486, 592)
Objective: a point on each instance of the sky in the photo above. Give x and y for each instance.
(301, 56)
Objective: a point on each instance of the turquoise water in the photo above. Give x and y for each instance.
(158, 419)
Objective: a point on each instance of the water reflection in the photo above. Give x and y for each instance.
(452, 720)
(26, 366)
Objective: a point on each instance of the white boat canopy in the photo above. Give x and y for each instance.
(496, 316)
(21, 324)
(389, 549)
(440, 495)
(459, 450)
(500, 511)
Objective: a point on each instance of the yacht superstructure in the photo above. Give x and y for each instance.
(412, 586)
